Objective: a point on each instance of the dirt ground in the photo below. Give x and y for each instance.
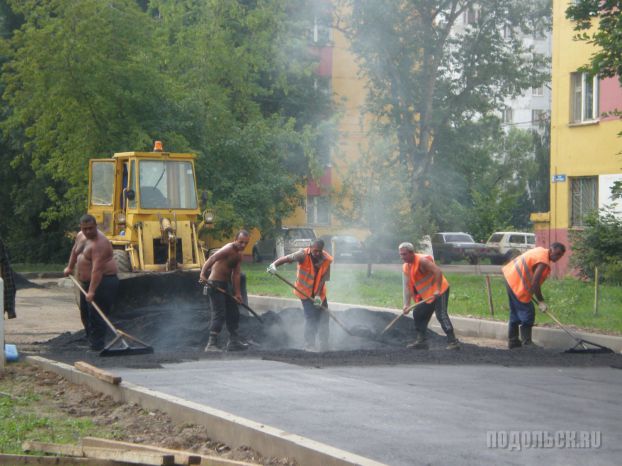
(48, 324)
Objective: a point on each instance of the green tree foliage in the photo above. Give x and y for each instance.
(599, 23)
(599, 244)
(433, 87)
(229, 81)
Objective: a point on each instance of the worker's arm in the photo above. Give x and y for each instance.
(235, 279)
(295, 256)
(406, 292)
(535, 284)
(98, 258)
(73, 257)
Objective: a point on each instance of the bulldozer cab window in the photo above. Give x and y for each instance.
(102, 183)
(167, 184)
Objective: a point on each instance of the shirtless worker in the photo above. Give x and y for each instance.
(224, 269)
(97, 271)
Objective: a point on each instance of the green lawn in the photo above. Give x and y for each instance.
(570, 300)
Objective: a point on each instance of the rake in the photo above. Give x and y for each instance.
(581, 346)
(122, 343)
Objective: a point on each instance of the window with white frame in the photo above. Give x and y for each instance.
(507, 115)
(318, 210)
(583, 198)
(584, 97)
(537, 91)
(538, 118)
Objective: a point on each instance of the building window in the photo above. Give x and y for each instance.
(583, 198)
(318, 210)
(538, 118)
(584, 97)
(537, 91)
(507, 115)
(471, 15)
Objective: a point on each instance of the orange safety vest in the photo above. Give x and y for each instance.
(308, 281)
(519, 272)
(421, 283)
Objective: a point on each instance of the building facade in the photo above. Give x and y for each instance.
(585, 146)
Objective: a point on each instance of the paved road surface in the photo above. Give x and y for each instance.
(406, 415)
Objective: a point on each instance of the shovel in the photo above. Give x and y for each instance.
(122, 343)
(241, 303)
(331, 315)
(582, 346)
(392, 323)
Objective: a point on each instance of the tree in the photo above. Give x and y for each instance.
(606, 36)
(228, 81)
(433, 88)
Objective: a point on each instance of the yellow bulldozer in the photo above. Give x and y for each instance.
(146, 204)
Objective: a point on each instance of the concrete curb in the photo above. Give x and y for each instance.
(464, 326)
(224, 427)
(30, 275)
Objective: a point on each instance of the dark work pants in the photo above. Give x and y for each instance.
(105, 295)
(423, 313)
(316, 321)
(224, 308)
(520, 313)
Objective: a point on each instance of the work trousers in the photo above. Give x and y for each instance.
(520, 313)
(316, 322)
(224, 308)
(105, 295)
(423, 313)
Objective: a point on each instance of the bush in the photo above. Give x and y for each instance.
(599, 244)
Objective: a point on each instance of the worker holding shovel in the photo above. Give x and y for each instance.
(310, 287)
(524, 276)
(224, 291)
(424, 278)
(97, 274)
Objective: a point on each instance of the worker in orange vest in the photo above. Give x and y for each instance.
(422, 277)
(313, 273)
(524, 276)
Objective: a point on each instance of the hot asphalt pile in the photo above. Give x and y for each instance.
(179, 333)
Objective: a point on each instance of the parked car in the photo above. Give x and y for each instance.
(294, 238)
(344, 247)
(382, 248)
(455, 246)
(505, 245)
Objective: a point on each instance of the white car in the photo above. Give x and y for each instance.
(505, 245)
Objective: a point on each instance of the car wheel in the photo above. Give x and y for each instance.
(256, 256)
(512, 254)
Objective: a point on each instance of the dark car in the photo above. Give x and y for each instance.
(456, 246)
(344, 247)
(294, 238)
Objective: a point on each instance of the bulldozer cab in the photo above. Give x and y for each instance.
(146, 204)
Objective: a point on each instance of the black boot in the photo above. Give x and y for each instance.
(212, 343)
(421, 341)
(525, 335)
(513, 341)
(452, 341)
(235, 343)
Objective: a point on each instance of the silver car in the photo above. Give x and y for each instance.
(294, 238)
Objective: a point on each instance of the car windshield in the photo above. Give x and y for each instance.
(458, 238)
(346, 239)
(167, 184)
(495, 238)
(300, 233)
